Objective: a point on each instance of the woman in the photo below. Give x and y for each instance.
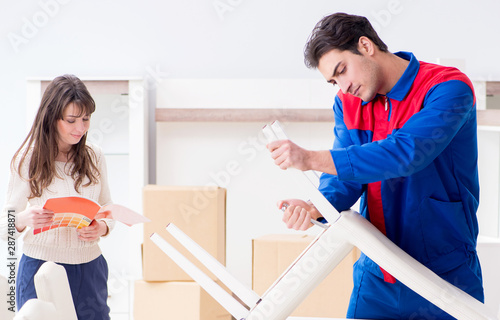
(55, 161)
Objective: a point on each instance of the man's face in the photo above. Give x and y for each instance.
(354, 74)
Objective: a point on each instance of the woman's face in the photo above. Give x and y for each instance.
(71, 127)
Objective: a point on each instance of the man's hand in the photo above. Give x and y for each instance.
(287, 154)
(34, 217)
(298, 214)
(93, 232)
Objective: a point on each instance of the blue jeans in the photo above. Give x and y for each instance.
(87, 281)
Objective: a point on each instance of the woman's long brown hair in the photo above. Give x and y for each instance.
(41, 142)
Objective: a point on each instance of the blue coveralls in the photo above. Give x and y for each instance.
(411, 156)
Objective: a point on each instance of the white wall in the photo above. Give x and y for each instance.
(177, 39)
(194, 39)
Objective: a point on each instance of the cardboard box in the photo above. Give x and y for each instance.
(175, 300)
(273, 254)
(198, 211)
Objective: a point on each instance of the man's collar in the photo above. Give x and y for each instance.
(401, 88)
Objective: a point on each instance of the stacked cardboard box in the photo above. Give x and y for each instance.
(273, 254)
(167, 292)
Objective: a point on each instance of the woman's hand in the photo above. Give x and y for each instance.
(34, 217)
(93, 232)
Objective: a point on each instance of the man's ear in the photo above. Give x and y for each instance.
(366, 46)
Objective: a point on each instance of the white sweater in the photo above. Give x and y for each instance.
(60, 245)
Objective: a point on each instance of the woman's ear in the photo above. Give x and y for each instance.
(366, 46)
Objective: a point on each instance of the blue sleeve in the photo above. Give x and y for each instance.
(341, 194)
(446, 107)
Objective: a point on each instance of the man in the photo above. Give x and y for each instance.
(406, 143)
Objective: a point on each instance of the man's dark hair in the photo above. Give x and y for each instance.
(339, 31)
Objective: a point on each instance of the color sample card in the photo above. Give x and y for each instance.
(78, 212)
(72, 220)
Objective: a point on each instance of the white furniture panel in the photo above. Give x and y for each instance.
(245, 93)
(489, 181)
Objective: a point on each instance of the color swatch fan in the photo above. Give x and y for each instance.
(78, 212)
